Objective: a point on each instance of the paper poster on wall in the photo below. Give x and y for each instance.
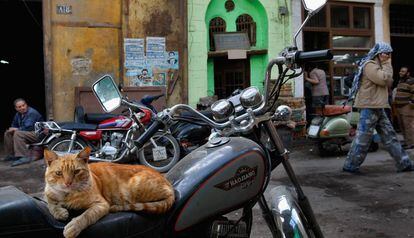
(134, 52)
(140, 77)
(155, 44)
(150, 65)
(172, 59)
(159, 79)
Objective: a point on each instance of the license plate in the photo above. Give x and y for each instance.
(159, 153)
(313, 130)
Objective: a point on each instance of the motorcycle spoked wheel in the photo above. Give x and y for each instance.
(61, 145)
(146, 157)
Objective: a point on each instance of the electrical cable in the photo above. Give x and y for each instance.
(31, 14)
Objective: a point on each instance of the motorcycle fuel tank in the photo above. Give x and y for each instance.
(216, 178)
(120, 122)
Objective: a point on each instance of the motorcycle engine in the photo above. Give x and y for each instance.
(116, 139)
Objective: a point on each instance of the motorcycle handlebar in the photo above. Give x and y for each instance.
(152, 129)
(308, 56)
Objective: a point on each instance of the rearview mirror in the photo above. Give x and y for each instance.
(107, 93)
(313, 5)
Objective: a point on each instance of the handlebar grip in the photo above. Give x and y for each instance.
(309, 56)
(152, 129)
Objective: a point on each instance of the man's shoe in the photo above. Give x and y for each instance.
(10, 158)
(407, 169)
(351, 171)
(22, 160)
(407, 147)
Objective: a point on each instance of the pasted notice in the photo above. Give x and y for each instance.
(134, 53)
(150, 65)
(81, 66)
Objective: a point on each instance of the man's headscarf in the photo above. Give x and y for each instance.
(379, 47)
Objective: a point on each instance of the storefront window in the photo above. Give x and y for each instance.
(349, 33)
(362, 18)
(339, 17)
(343, 77)
(347, 58)
(351, 42)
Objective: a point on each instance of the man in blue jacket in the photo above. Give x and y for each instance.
(21, 133)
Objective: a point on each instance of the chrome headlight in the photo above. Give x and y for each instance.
(251, 97)
(222, 110)
(283, 113)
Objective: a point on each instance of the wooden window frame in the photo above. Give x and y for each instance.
(351, 31)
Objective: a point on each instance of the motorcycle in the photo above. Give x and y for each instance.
(230, 172)
(111, 136)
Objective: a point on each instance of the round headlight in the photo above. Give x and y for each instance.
(283, 113)
(251, 97)
(222, 110)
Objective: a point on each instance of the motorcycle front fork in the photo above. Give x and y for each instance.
(302, 199)
(72, 141)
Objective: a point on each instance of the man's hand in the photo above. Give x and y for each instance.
(12, 129)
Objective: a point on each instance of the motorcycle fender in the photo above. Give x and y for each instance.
(286, 212)
(336, 126)
(48, 139)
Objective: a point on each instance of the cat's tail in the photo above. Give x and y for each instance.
(157, 207)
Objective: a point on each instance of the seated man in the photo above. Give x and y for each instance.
(21, 133)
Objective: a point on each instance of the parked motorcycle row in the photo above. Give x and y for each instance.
(229, 170)
(111, 136)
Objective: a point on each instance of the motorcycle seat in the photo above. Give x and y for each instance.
(22, 215)
(333, 110)
(78, 126)
(96, 118)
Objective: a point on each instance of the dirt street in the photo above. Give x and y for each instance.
(377, 203)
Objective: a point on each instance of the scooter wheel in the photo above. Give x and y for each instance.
(373, 147)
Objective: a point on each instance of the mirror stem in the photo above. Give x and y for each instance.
(310, 14)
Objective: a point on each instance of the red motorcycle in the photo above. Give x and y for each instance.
(111, 136)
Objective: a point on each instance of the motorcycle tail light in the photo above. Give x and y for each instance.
(324, 133)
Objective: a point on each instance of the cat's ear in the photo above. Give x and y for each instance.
(84, 154)
(49, 156)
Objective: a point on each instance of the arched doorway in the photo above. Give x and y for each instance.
(237, 45)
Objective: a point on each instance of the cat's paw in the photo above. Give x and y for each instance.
(72, 229)
(60, 214)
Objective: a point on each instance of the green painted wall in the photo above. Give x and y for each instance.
(273, 34)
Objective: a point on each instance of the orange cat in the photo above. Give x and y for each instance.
(100, 188)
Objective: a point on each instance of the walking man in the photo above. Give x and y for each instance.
(370, 95)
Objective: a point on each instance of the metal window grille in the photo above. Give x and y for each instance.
(217, 24)
(245, 23)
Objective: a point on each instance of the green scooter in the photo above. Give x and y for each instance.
(333, 127)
